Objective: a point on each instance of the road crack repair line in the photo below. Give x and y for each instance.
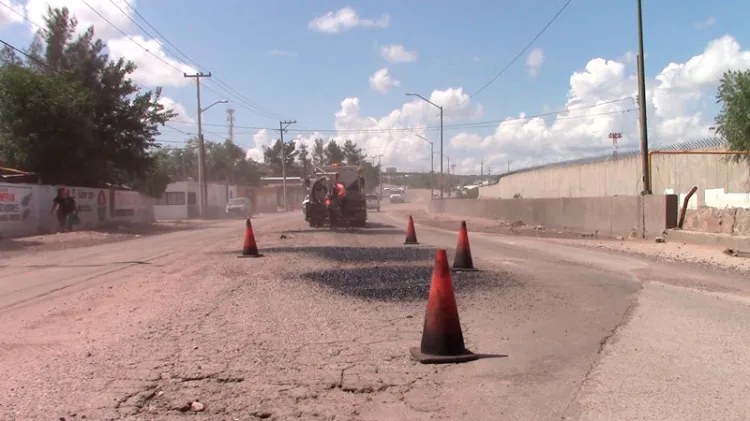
(605, 340)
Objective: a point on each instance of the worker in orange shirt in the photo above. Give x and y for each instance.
(340, 192)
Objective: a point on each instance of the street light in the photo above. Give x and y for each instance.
(432, 163)
(223, 101)
(441, 132)
(202, 158)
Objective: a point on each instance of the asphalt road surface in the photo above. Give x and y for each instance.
(319, 328)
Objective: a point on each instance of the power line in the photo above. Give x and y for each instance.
(450, 126)
(521, 53)
(257, 109)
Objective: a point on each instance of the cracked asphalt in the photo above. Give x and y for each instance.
(174, 325)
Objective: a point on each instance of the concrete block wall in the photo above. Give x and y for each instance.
(609, 215)
(732, 221)
(622, 177)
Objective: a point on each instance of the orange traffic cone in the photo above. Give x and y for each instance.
(463, 260)
(411, 233)
(249, 248)
(442, 338)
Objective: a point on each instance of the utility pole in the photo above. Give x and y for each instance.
(642, 104)
(508, 165)
(481, 169)
(441, 135)
(230, 120)
(282, 128)
(201, 147)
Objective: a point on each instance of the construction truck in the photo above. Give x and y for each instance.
(323, 207)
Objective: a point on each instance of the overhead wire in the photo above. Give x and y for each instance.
(478, 124)
(161, 59)
(258, 109)
(520, 53)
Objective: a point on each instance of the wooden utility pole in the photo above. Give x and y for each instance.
(201, 147)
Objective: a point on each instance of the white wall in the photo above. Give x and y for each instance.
(25, 208)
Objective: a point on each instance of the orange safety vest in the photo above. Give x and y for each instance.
(340, 189)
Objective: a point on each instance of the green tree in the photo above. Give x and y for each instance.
(304, 159)
(319, 152)
(39, 115)
(272, 156)
(733, 120)
(111, 123)
(333, 153)
(352, 153)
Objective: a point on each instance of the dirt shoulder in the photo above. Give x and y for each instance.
(670, 251)
(86, 238)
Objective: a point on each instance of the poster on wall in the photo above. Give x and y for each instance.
(92, 205)
(17, 212)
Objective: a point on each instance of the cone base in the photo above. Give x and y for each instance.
(242, 256)
(467, 356)
(465, 269)
(411, 242)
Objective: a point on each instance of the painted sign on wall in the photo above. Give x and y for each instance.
(17, 211)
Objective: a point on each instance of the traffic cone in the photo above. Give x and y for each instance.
(411, 233)
(463, 260)
(442, 338)
(249, 248)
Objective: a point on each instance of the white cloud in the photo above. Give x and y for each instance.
(345, 19)
(382, 81)
(676, 100)
(182, 113)
(534, 61)
(705, 24)
(261, 139)
(7, 16)
(151, 71)
(398, 54)
(37, 10)
(281, 53)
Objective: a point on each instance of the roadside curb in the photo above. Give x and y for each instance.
(704, 238)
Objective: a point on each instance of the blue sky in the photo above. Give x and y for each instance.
(458, 45)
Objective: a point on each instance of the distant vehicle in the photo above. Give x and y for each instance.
(397, 190)
(373, 201)
(240, 206)
(397, 198)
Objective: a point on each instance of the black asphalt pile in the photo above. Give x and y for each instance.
(390, 274)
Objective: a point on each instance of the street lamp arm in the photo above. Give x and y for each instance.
(223, 101)
(426, 100)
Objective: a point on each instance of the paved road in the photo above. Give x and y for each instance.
(320, 328)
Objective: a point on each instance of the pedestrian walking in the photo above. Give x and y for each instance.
(64, 207)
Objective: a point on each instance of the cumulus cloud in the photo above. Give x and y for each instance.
(260, 139)
(398, 54)
(151, 71)
(600, 100)
(383, 82)
(675, 104)
(182, 113)
(115, 17)
(345, 19)
(11, 13)
(37, 10)
(534, 61)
